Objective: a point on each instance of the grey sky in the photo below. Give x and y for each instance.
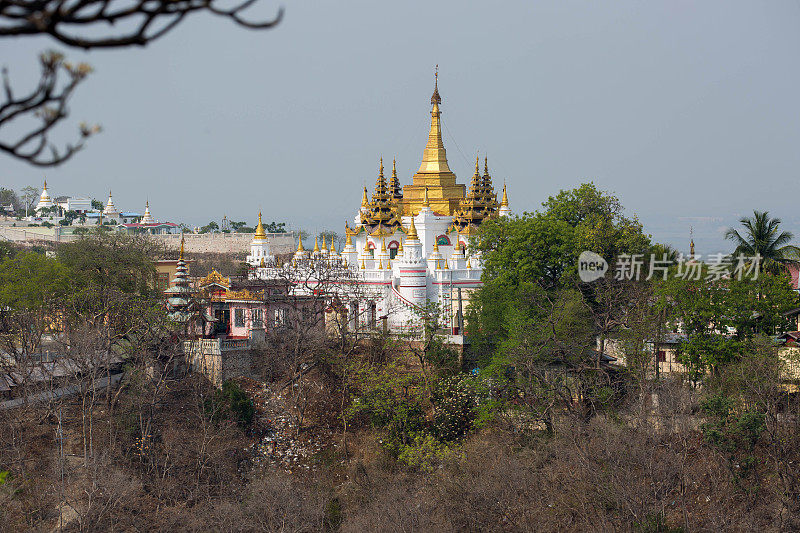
(687, 110)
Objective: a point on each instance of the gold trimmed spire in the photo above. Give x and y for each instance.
(349, 241)
(434, 158)
(316, 244)
(364, 199)
(324, 244)
(412, 231)
(504, 201)
(260, 235)
(691, 241)
(300, 244)
(383, 245)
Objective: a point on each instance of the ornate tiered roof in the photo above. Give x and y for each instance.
(381, 212)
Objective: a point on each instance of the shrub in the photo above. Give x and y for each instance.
(232, 397)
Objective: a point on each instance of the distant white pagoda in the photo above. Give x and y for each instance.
(44, 200)
(147, 218)
(111, 210)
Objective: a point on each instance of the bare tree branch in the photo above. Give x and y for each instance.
(40, 110)
(113, 23)
(85, 24)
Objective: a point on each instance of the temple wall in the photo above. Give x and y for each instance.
(280, 243)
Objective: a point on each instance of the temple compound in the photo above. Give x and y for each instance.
(408, 247)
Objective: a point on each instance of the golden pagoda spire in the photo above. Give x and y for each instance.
(316, 244)
(394, 167)
(434, 158)
(485, 164)
(691, 241)
(349, 241)
(412, 231)
(363, 267)
(259, 235)
(380, 170)
(300, 244)
(364, 199)
(445, 265)
(504, 201)
(435, 246)
(380, 264)
(383, 244)
(324, 244)
(477, 159)
(469, 265)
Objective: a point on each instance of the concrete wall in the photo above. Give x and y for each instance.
(217, 359)
(280, 243)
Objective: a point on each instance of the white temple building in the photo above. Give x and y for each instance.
(409, 246)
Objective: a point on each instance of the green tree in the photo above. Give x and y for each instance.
(32, 289)
(762, 237)
(9, 197)
(275, 227)
(544, 246)
(29, 195)
(211, 227)
(721, 318)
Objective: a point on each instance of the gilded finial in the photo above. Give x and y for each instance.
(394, 168)
(316, 244)
(349, 241)
(260, 235)
(363, 267)
(485, 165)
(412, 230)
(435, 246)
(380, 172)
(400, 247)
(300, 244)
(504, 201)
(324, 244)
(364, 200)
(380, 264)
(45, 183)
(383, 245)
(469, 265)
(691, 241)
(180, 256)
(477, 159)
(445, 265)
(436, 99)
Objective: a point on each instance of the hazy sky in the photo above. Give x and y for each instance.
(688, 111)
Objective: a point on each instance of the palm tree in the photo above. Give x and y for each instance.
(763, 238)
